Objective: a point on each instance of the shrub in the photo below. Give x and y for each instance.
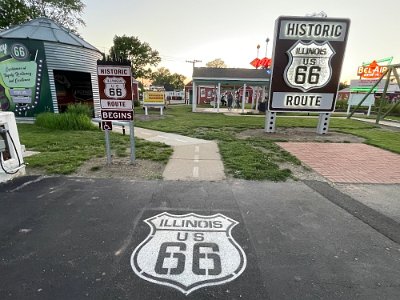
(65, 121)
(80, 109)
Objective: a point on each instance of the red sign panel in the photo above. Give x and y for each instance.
(117, 115)
(115, 90)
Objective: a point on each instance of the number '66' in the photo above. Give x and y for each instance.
(177, 251)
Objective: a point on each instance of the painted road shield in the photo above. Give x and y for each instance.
(309, 65)
(188, 252)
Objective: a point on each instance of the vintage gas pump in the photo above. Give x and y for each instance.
(11, 160)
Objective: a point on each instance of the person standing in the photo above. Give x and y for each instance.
(230, 100)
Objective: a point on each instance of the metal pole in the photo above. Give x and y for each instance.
(194, 98)
(398, 83)
(365, 97)
(383, 98)
(243, 97)
(108, 148)
(132, 138)
(218, 95)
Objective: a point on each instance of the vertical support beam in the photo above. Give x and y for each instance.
(243, 97)
(108, 148)
(194, 98)
(264, 92)
(270, 121)
(348, 109)
(323, 123)
(218, 95)
(132, 139)
(383, 97)
(256, 108)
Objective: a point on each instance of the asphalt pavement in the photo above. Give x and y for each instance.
(76, 238)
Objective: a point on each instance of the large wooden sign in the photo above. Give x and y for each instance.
(307, 61)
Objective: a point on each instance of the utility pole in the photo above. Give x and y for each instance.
(194, 61)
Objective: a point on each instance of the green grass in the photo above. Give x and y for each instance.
(62, 152)
(382, 138)
(253, 158)
(65, 121)
(257, 158)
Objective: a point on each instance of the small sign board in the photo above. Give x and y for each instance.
(307, 61)
(115, 90)
(106, 125)
(355, 99)
(154, 98)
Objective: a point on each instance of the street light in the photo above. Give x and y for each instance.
(266, 47)
(258, 49)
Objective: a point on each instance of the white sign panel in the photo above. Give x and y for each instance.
(355, 99)
(309, 65)
(188, 252)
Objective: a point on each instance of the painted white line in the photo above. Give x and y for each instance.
(196, 149)
(183, 141)
(196, 158)
(196, 172)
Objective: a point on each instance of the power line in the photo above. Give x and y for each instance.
(194, 61)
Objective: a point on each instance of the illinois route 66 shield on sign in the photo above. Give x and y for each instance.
(309, 65)
(189, 251)
(115, 87)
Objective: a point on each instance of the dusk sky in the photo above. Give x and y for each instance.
(231, 30)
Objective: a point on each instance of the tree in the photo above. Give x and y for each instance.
(163, 77)
(13, 12)
(343, 85)
(141, 55)
(216, 63)
(66, 13)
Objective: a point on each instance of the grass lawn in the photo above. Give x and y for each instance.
(257, 158)
(252, 158)
(62, 152)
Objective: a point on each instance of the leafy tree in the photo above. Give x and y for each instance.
(141, 55)
(216, 63)
(343, 85)
(163, 77)
(13, 12)
(65, 12)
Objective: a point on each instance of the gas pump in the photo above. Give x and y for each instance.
(11, 160)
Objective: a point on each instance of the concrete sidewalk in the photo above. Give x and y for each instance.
(193, 159)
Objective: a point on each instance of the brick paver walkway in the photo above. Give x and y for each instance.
(348, 163)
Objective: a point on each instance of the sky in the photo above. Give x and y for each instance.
(182, 30)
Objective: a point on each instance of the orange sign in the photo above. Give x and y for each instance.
(373, 71)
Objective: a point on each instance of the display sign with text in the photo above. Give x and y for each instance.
(115, 90)
(154, 99)
(307, 61)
